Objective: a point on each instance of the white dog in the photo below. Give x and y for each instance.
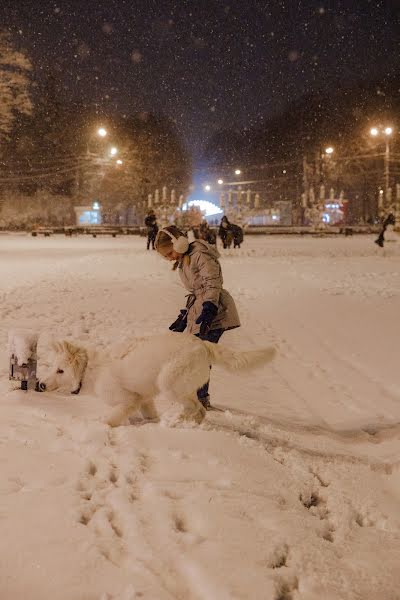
(171, 365)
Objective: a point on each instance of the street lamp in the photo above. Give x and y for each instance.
(113, 151)
(329, 150)
(220, 181)
(238, 172)
(85, 180)
(387, 132)
(207, 187)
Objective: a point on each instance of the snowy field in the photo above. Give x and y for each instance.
(291, 493)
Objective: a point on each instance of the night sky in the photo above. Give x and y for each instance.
(208, 64)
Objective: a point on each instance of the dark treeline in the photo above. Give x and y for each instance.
(287, 150)
(310, 122)
(57, 148)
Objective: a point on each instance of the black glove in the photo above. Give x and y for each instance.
(207, 316)
(180, 324)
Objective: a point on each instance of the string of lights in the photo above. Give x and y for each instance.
(55, 165)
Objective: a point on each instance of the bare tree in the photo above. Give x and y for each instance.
(14, 83)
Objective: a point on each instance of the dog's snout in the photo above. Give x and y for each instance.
(40, 386)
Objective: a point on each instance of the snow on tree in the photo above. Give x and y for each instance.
(14, 83)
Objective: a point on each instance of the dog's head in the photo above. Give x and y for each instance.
(67, 370)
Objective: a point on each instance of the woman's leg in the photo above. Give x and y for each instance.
(213, 336)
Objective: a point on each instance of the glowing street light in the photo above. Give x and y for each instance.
(238, 172)
(119, 162)
(207, 187)
(113, 151)
(329, 150)
(387, 131)
(220, 181)
(375, 131)
(102, 132)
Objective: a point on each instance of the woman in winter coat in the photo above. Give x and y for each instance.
(210, 309)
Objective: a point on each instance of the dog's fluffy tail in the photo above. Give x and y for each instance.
(239, 361)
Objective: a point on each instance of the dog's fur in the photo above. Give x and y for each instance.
(171, 365)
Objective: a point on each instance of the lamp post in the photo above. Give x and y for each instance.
(325, 160)
(387, 132)
(98, 156)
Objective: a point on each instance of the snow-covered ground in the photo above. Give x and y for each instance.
(292, 493)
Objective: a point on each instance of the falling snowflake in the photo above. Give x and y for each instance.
(83, 50)
(107, 28)
(136, 57)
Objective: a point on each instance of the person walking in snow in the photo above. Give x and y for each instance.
(389, 221)
(210, 309)
(229, 232)
(225, 233)
(207, 234)
(152, 228)
(237, 233)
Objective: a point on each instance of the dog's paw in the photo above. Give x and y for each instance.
(117, 418)
(112, 422)
(187, 418)
(195, 416)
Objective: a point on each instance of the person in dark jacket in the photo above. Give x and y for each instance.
(152, 228)
(210, 309)
(207, 234)
(225, 232)
(390, 220)
(229, 232)
(237, 233)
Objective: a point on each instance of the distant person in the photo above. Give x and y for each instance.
(207, 234)
(152, 228)
(225, 232)
(237, 233)
(229, 232)
(210, 309)
(389, 221)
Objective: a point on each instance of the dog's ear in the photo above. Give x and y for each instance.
(69, 348)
